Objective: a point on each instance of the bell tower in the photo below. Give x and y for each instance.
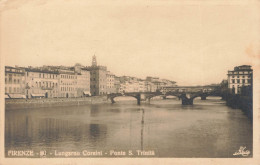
(94, 61)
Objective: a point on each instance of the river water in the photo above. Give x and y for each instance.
(163, 128)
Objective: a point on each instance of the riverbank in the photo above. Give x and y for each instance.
(241, 102)
(11, 104)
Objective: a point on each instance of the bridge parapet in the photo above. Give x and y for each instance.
(186, 96)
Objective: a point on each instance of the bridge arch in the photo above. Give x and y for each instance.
(113, 96)
(197, 96)
(123, 96)
(152, 96)
(163, 95)
(178, 96)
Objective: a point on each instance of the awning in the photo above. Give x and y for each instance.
(7, 96)
(17, 96)
(87, 93)
(38, 95)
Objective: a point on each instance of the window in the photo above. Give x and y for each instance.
(40, 75)
(238, 76)
(238, 80)
(243, 81)
(10, 89)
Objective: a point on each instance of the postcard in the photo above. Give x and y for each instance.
(129, 82)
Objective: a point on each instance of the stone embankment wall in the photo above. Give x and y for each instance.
(52, 102)
(241, 102)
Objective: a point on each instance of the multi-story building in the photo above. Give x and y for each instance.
(127, 86)
(131, 84)
(41, 83)
(46, 81)
(98, 78)
(141, 86)
(14, 82)
(157, 83)
(77, 81)
(239, 77)
(68, 83)
(83, 83)
(117, 84)
(110, 83)
(150, 87)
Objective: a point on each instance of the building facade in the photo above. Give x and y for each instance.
(98, 78)
(14, 82)
(239, 77)
(83, 83)
(117, 84)
(68, 83)
(41, 83)
(76, 81)
(110, 83)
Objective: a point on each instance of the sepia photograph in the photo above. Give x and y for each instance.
(129, 82)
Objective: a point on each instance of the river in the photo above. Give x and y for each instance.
(163, 128)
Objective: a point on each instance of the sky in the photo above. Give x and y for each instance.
(190, 42)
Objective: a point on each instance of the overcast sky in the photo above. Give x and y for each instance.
(191, 43)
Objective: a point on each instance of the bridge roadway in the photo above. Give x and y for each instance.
(187, 97)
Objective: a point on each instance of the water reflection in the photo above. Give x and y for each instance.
(47, 131)
(206, 129)
(142, 131)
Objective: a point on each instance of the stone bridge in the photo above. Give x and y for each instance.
(186, 97)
